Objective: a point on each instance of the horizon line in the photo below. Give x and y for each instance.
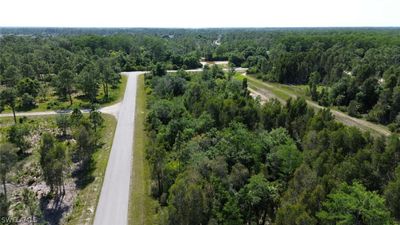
(187, 28)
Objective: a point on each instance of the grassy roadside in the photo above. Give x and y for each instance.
(86, 201)
(141, 205)
(116, 95)
(259, 85)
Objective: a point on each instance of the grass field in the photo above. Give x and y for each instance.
(142, 206)
(260, 85)
(283, 91)
(86, 201)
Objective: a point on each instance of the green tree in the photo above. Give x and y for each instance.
(108, 75)
(76, 117)
(283, 160)
(27, 102)
(88, 82)
(353, 204)
(217, 72)
(96, 119)
(238, 176)
(231, 70)
(54, 163)
(46, 148)
(85, 144)
(236, 59)
(312, 83)
(187, 201)
(392, 194)
(29, 86)
(63, 123)
(17, 135)
(170, 86)
(31, 204)
(301, 199)
(353, 108)
(369, 94)
(191, 62)
(294, 214)
(9, 98)
(8, 157)
(11, 75)
(259, 199)
(158, 70)
(4, 205)
(232, 214)
(64, 83)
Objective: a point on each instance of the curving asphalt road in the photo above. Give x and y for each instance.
(112, 207)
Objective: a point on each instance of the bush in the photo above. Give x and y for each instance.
(27, 102)
(252, 70)
(52, 104)
(17, 135)
(353, 109)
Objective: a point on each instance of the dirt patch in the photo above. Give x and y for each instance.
(53, 209)
(268, 90)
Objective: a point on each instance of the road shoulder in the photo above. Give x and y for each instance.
(141, 205)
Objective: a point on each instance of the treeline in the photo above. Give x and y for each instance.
(360, 67)
(33, 69)
(218, 156)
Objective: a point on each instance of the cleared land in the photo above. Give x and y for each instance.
(269, 90)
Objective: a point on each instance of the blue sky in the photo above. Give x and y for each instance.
(194, 14)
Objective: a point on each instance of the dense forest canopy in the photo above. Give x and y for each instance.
(220, 157)
(358, 68)
(217, 155)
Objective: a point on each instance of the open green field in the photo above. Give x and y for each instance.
(142, 208)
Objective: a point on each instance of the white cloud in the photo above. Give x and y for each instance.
(206, 13)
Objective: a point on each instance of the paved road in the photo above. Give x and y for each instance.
(113, 204)
(112, 110)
